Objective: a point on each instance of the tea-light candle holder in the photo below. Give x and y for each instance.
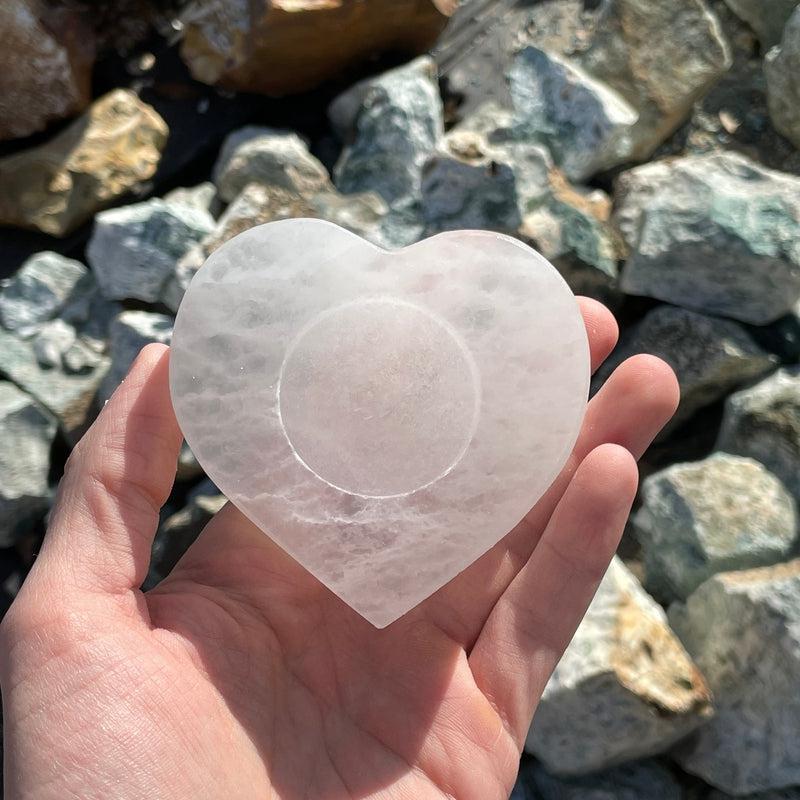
(385, 417)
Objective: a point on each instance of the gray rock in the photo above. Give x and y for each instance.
(710, 356)
(396, 121)
(743, 630)
(585, 124)
(763, 422)
(715, 233)
(470, 184)
(188, 466)
(27, 433)
(710, 516)
(782, 73)
(639, 780)
(133, 250)
(624, 689)
(41, 287)
(793, 793)
(766, 17)
(268, 157)
(177, 532)
(570, 227)
(661, 56)
(129, 333)
(60, 369)
(203, 197)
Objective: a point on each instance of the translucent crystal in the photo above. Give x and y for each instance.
(385, 417)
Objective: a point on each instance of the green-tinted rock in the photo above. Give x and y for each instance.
(782, 72)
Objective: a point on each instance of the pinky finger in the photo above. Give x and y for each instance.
(535, 619)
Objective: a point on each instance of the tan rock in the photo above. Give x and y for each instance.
(277, 47)
(107, 152)
(46, 58)
(624, 689)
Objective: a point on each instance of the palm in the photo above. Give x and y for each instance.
(241, 676)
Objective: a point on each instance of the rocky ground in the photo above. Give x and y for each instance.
(649, 148)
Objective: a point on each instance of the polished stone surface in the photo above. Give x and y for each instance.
(386, 417)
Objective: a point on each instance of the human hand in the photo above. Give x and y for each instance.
(241, 676)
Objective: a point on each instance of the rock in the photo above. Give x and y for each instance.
(202, 197)
(109, 151)
(640, 780)
(742, 630)
(719, 514)
(710, 356)
(715, 233)
(585, 125)
(782, 73)
(285, 46)
(778, 794)
(362, 213)
(61, 364)
(661, 56)
(27, 432)
(765, 18)
(470, 184)
(46, 57)
(41, 287)
(133, 249)
(188, 466)
(570, 228)
(624, 689)
(268, 157)
(396, 121)
(763, 422)
(178, 531)
(130, 331)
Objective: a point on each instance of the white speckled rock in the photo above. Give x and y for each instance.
(386, 416)
(715, 233)
(743, 630)
(711, 516)
(763, 422)
(41, 287)
(781, 68)
(585, 124)
(624, 689)
(268, 157)
(134, 249)
(27, 432)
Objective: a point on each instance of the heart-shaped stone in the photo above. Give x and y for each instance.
(386, 417)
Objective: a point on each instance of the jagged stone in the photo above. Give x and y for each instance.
(40, 289)
(46, 56)
(112, 149)
(782, 73)
(27, 432)
(134, 249)
(719, 514)
(710, 356)
(763, 422)
(742, 629)
(285, 46)
(661, 56)
(130, 331)
(716, 233)
(767, 19)
(624, 689)
(268, 157)
(585, 125)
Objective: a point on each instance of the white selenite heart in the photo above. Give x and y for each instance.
(385, 417)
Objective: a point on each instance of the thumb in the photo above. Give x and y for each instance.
(116, 480)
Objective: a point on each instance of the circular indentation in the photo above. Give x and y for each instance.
(378, 397)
